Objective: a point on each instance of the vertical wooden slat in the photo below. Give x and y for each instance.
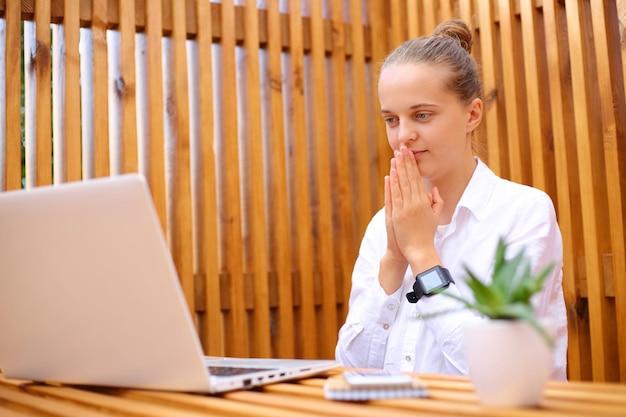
(232, 245)
(101, 93)
(30, 106)
(301, 209)
(490, 92)
(446, 9)
(466, 11)
(13, 151)
(181, 234)
(214, 333)
(609, 80)
(557, 83)
(513, 82)
(381, 45)
(72, 91)
(394, 25)
(278, 205)
(430, 18)
(156, 140)
(341, 183)
(535, 106)
(257, 244)
(58, 103)
(325, 246)
(43, 94)
(413, 21)
(593, 264)
(127, 86)
(366, 204)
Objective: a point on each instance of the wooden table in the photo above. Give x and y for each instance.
(452, 396)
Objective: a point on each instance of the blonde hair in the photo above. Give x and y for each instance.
(449, 46)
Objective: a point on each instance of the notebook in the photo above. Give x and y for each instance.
(89, 295)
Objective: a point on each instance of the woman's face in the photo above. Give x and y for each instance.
(430, 121)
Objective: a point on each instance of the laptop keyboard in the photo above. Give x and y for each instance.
(233, 370)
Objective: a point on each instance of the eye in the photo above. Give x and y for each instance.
(391, 120)
(421, 116)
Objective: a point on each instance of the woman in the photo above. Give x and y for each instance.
(444, 210)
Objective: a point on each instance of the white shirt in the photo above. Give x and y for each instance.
(386, 331)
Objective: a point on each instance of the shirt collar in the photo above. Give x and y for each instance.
(478, 190)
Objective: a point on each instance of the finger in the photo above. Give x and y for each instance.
(404, 178)
(395, 188)
(387, 196)
(437, 202)
(413, 172)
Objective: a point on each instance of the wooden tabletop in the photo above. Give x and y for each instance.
(447, 395)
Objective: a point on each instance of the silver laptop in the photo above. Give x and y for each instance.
(89, 295)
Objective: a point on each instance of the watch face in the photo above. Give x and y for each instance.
(431, 281)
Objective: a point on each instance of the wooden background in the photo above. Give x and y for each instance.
(258, 128)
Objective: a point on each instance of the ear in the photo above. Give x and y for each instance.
(475, 113)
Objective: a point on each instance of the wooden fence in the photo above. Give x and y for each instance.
(256, 125)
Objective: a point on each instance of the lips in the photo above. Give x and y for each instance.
(417, 154)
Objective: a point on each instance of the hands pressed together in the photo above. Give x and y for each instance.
(411, 216)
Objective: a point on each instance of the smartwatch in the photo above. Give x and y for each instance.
(430, 282)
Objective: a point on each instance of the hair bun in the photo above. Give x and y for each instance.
(457, 30)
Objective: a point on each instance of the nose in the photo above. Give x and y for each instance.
(406, 133)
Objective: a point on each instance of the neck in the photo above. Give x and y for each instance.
(451, 188)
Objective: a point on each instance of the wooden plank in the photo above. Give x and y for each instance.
(413, 19)
(231, 218)
(100, 87)
(43, 94)
(66, 401)
(325, 245)
(278, 206)
(256, 244)
(127, 87)
(380, 40)
(557, 89)
(156, 137)
(535, 106)
(466, 12)
(73, 148)
(395, 22)
(306, 330)
(363, 158)
(341, 171)
(588, 184)
(609, 80)
(13, 82)
(215, 405)
(303, 404)
(492, 105)
(513, 82)
(446, 9)
(209, 261)
(43, 406)
(430, 18)
(181, 212)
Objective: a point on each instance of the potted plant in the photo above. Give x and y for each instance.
(509, 356)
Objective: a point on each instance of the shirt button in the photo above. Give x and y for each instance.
(391, 307)
(385, 326)
(407, 358)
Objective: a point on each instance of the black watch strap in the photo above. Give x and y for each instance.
(415, 295)
(424, 285)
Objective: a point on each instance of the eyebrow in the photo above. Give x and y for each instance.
(414, 106)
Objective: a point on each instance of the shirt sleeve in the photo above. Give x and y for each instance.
(363, 338)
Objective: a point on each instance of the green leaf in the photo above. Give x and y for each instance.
(509, 293)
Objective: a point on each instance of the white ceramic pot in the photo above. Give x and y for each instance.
(509, 362)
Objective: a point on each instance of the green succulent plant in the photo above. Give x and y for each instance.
(508, 295)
